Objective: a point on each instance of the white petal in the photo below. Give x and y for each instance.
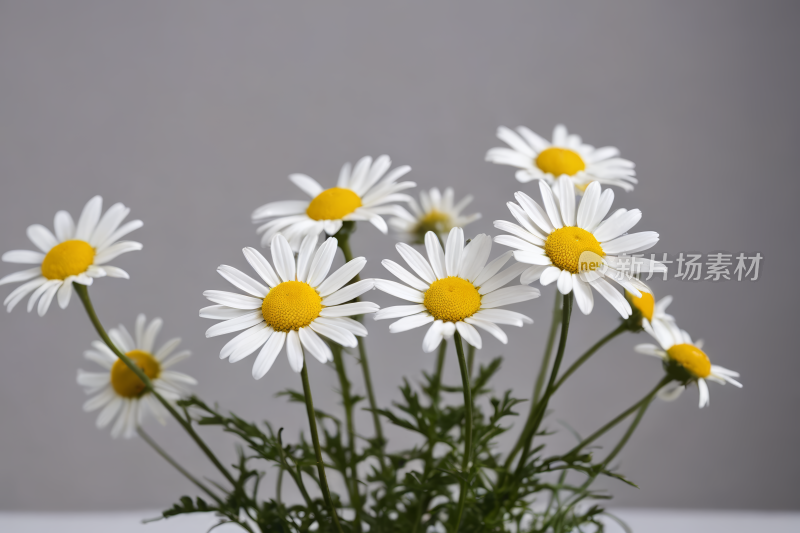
(222, 312)
(550, 205)
(252, 342)
(532, 274)
(357, 308)
(417, 262)
(230, 299)
(20, 292)
(268, 354)
(502, 278)
(410, 322)
(549, 275)
(321, 264)
(532, 258)
(614, 297)
(603, 206)
(117, 235)
(64, 226)
(26, 257)
(670, 391)
(564, 282)
(99, 401)
(64, 293)
(349, 292)
(503, 316)
(635, 242)
(294, 350)
(283, 258)
(616, 226)
(435, 255)
(22, 275)
(166, 349)
(492, 328)
(583, 294)
(703, 388)
(508, 296)
(306, 184)
(88, 219)
(109, 412)
(114, 272)
(433, 337)
(475, 256)
(514, 141)
(305, 256)
(41, 237)
(399, 311)
(314, 344)
(348, 324)
(116, 250)
(536, 213)
(588, 205)
(261, 266)
(470, 334)
(235, 324)
(566, 198)
(404, 275)
(650, 349)
(400, 291)
(334, 332)
(108, 224)
(242, 281)
(452, 255)
(47, 297)
(342, 276)
(279, 209)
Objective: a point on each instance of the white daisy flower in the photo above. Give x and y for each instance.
(684, 360)
(435, 212)
(298, 303)
(366, 193)
(455, 291)
(566, 155)
(650, 310)
(119, 391)
(76, 253)
(575, 247)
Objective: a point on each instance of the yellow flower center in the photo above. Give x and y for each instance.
(558, 161)
(646, 304)
(291, 305)
(333, 204)
(68, 258)
(691, 358)
(452, 299)
(565, 245)
(125, 382)
(435, 221)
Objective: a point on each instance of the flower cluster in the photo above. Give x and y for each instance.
(568, 236)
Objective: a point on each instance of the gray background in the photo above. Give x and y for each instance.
(194, 113)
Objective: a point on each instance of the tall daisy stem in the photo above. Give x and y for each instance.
(83, 293)
(312, 422)
(168, 458)
(347, 400)
(343, 238)
(465, 464)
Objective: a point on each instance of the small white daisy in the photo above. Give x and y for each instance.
(650, 310)
(74, 254)
(366, 193)
(455, 291)
(119, 391)
(298, 302)
(566, 155)
(684, 360)
(575, 247)
(435, 212)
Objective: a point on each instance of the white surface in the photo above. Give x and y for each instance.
(640, 520)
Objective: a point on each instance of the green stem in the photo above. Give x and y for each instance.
(548, 351)
(470, 358)
(622, 416)
(537, 391)
(347, 399)
(465, 464)
(160, 451)
(312, 422)
(541, 407)
(436, 384)
(83, 293)
(344, 244)
(582, 359)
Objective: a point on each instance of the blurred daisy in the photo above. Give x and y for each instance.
(539, 159)
(76, 253)
(119, 392)
(650, 310)
(576, 248)
(298, 303)
(366, 193)
(435, 212)
(455, 291)
(684, 361)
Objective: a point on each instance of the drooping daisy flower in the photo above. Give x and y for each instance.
(119, 391)
(567, 155)
(684, 361)
(575, 247)
(650, 310)
(366, 193)
(298, 303)
(76, 253)
(435, 212)
(455, 291)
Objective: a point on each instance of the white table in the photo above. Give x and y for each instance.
(640, 520)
